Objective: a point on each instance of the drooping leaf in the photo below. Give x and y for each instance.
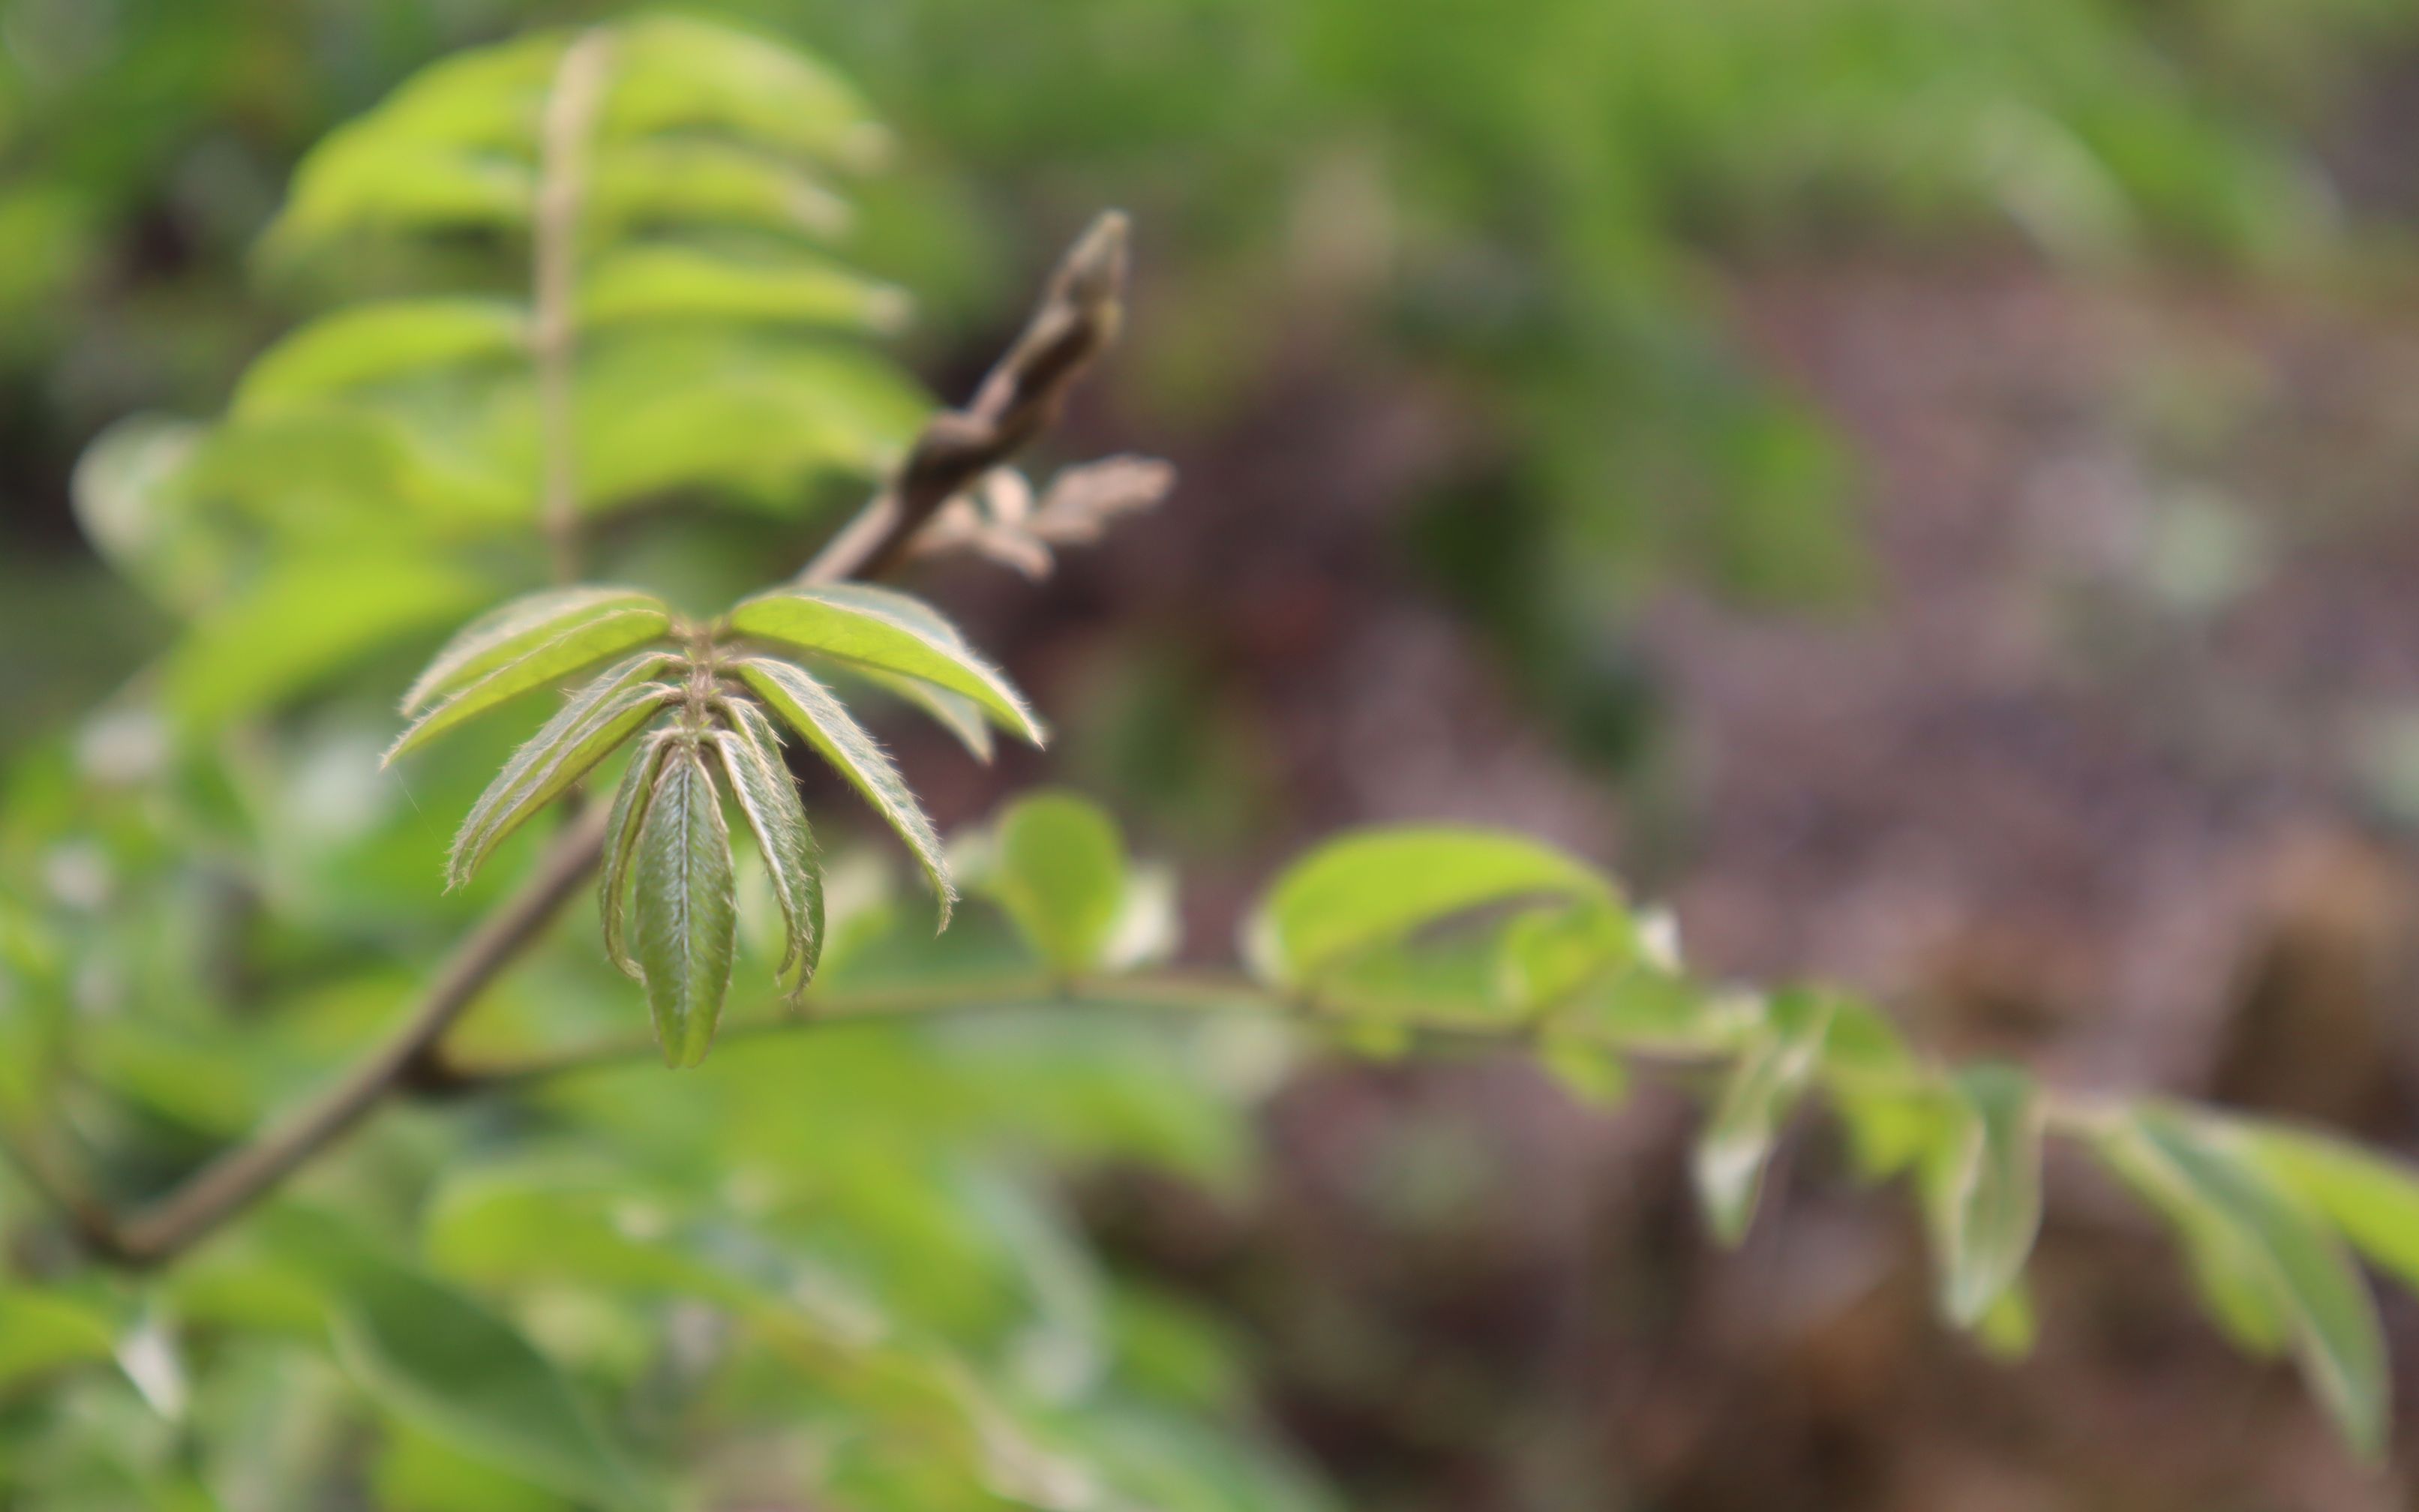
(770, 801)
(2372, 1199)
(1780, 1063)
(591, 723)
(630, 801)
(858, 632)
(808, 707)
(1982, 1189)
(1057, 866)
(684, 916)
(369, 342)
(514, 630)
(2269, 1268)
(1377, 886)
(661, 280)
(588, 640)
(443, 1362)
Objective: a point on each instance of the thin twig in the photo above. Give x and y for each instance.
(1077, 317)
(569, 120)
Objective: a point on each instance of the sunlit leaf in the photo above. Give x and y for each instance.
(2372, 1199)
(807, 707)
(681, 73)
(684, 916)
(1377, 886)
(669, 282)
(1547, 955)
(580, 641)
(699, 180)
(862, 633)
(1057, 866)
(514, 630)
(368, 343)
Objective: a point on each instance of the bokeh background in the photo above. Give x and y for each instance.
(1924, 486)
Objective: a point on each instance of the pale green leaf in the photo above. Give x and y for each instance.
(309, 619)
(667, 281)
(372, 343)
(2272, 1255)
(962, 716)
(442, 1361)
(1549, 954)
(1057, 866)
(578, 641)
(1585, 1067)
(699, 180)
(630, 801)
(129, 496)
(808, 707)
(683, 917)
(591, 724)
(1982, 1189)
(769, 800)
(859, 633)
(679, 74)
(1778, 1064)
(43, 1330)
(1377, 886)
(2372, 1198)
(513, 630)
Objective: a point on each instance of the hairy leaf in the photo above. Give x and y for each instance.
(369, 342)
(683, 914)
(770, 801)
(1981, 1188)
(1058, 867)
(588, 640)
(865, 632)
(591, 724)
(630, 801)
(1378, 887)
(808, 707)
(508, 633)
(1780, 1063)
(2268, 1266)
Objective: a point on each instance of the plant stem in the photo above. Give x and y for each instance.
(568, 122)
(1078, 316)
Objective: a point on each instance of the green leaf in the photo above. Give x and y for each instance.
(1780, 1063)
(861, 632)
(1982, 1188)
(679, 74)
(591, 724)
(371, 343)
(808, 707)
(698, 181)
(963, 718)
(443, 1362)
(1058, 867)
(630, 801)
(1586, 1068)
(668, 282)
(589, 639)
(1550, 954)
(683, 914)
(514, 630)
(127, 496)
(1377, 886)
(307, 620)
(2372, 1199)
(2266, 1263)
(769, 799)
(42, 1331)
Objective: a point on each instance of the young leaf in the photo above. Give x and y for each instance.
(1763, 1089)
(515, 629)
(1059, 868)
(808, 707)
(960, 717)
(770, 800)
(630, 803)
(2264, 1260)
(858, 633)
(1981, 1188)
(588, 728)
(586, 643)
(443, 1362)
(2372, 1199)
(369, 342)
(682, 909)
(1375, 888)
